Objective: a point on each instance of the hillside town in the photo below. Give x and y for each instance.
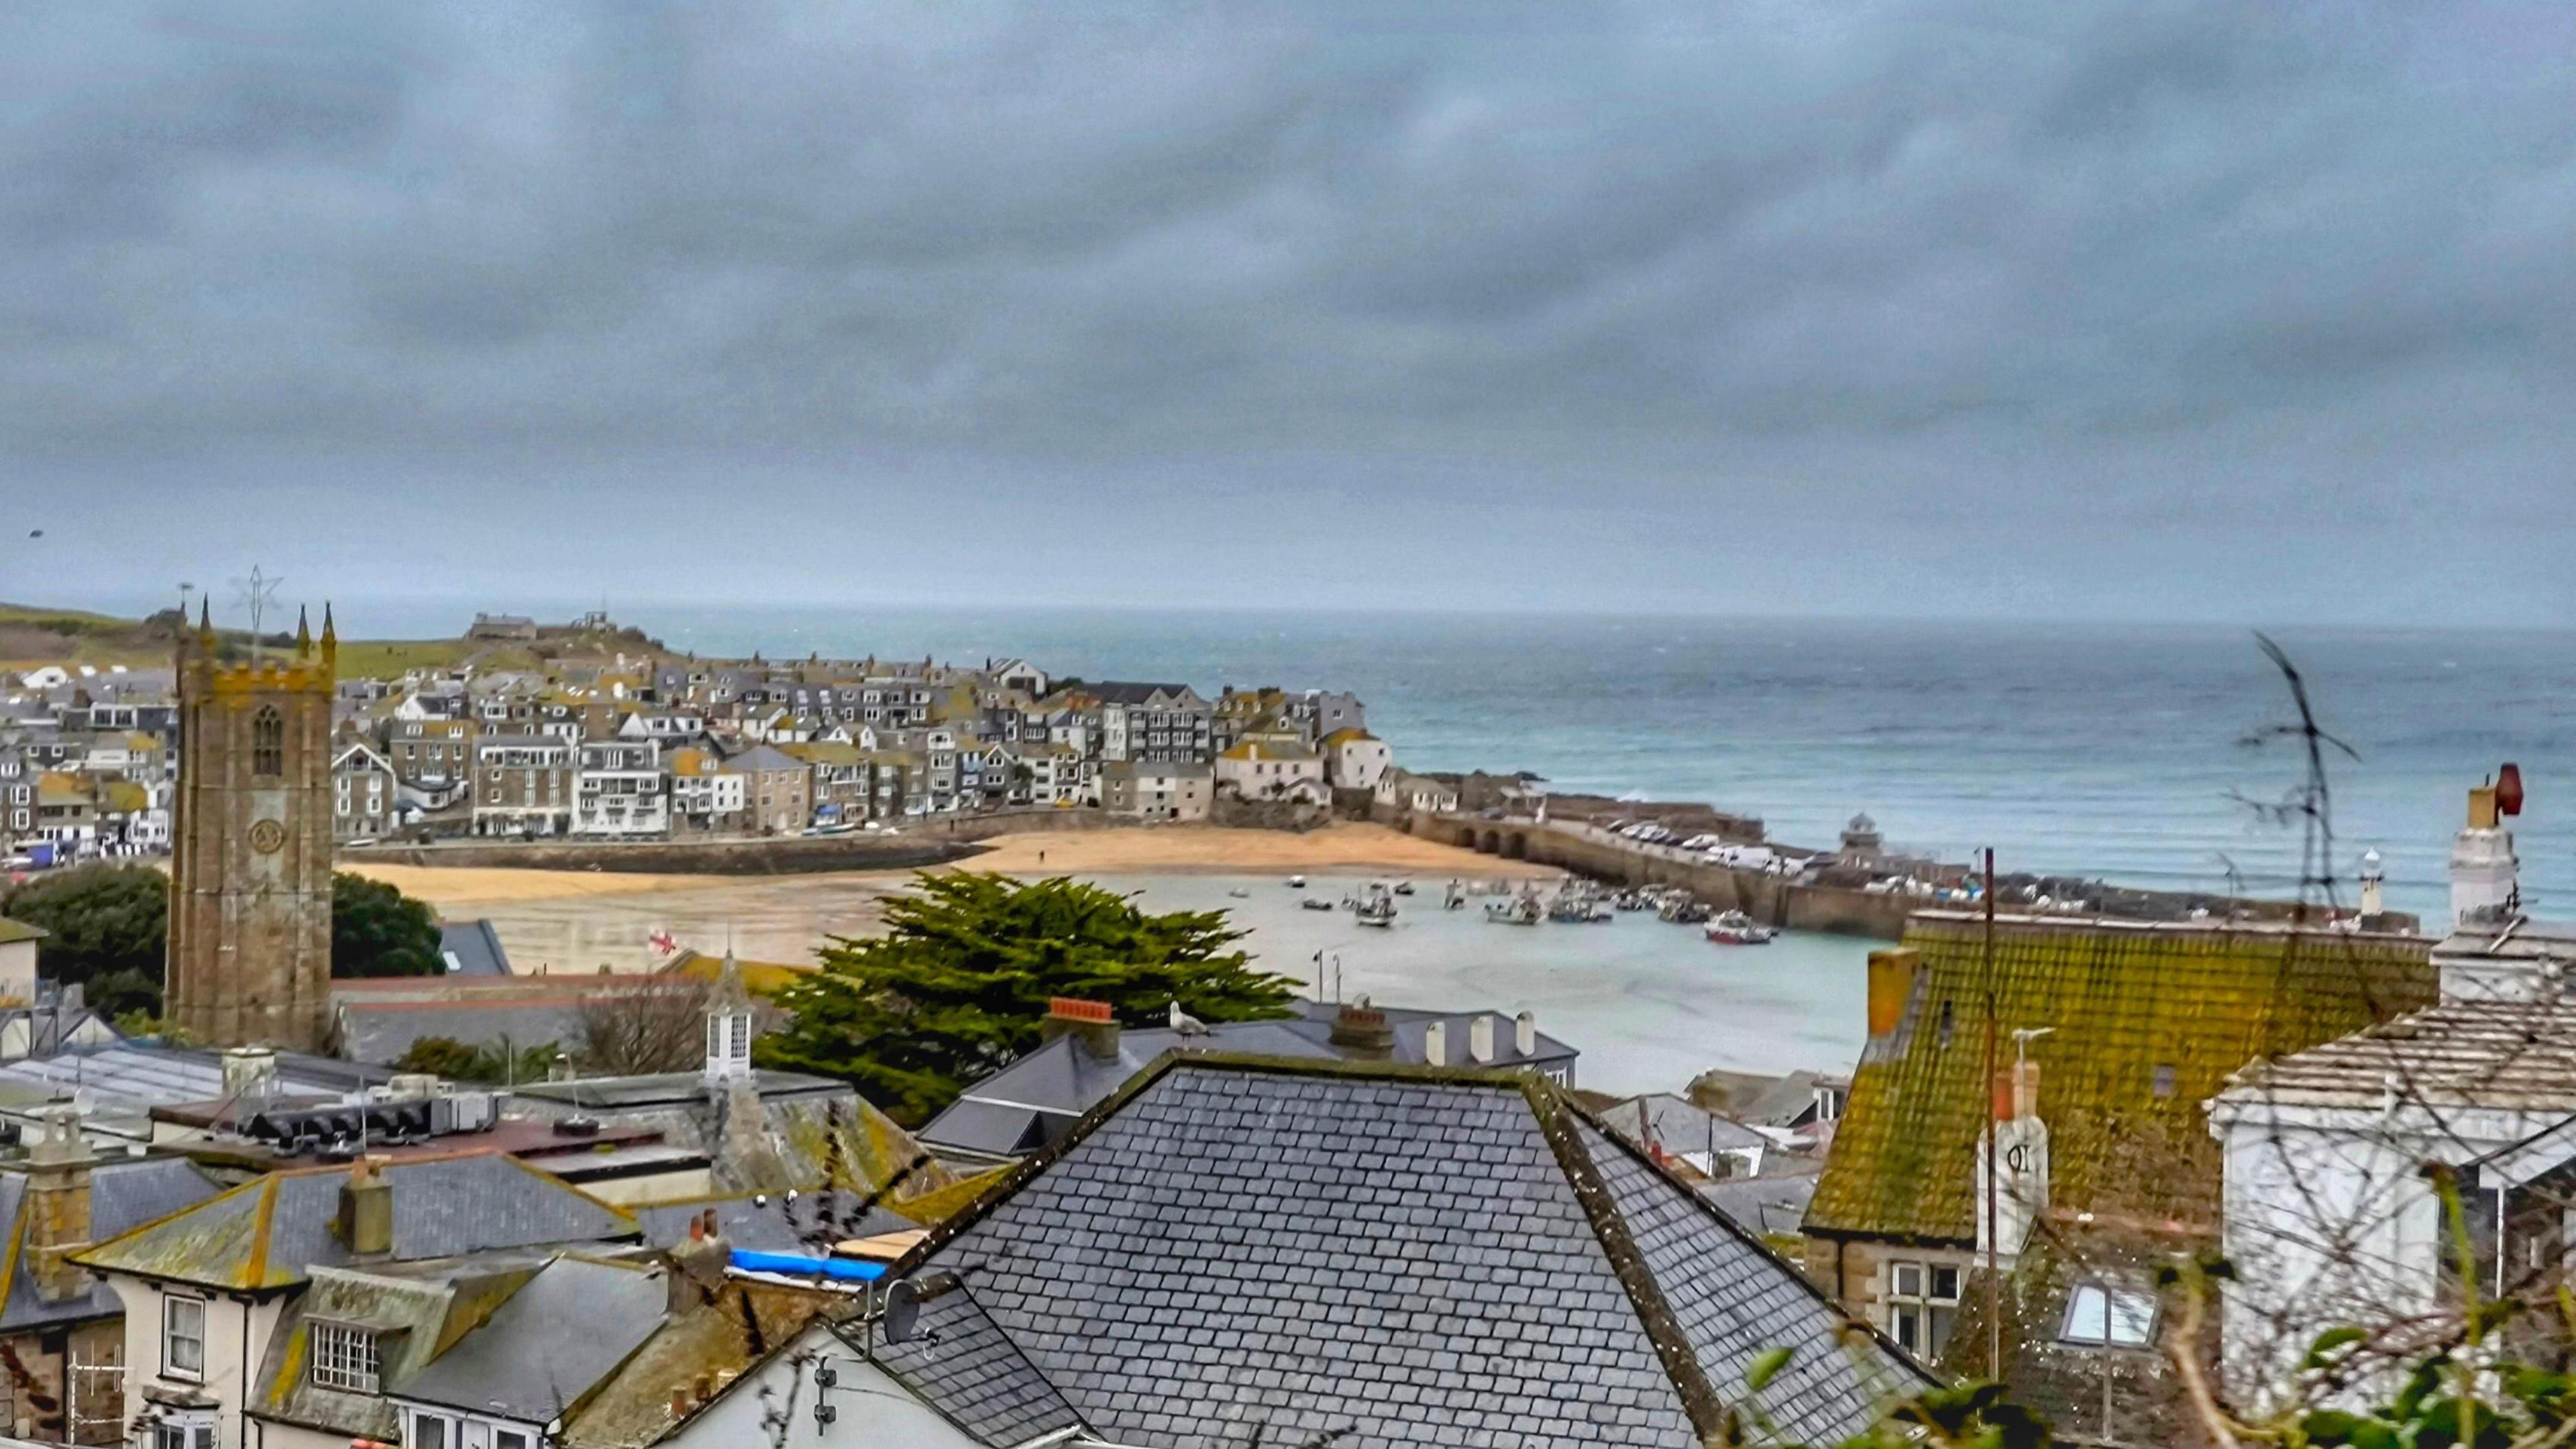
(613, 746)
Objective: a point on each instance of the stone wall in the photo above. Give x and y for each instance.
(1766, 898)
(923, 842)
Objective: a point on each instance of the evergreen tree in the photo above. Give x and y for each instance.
(957, 987)
(105, 924)
(376, 930)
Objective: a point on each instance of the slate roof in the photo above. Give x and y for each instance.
(2145, 1019)
(262, 1234)
(122, 1196)
(2514, 1056)
(960, 1363)
(117, 1086)
(556, 1338)
(1679, 1125)
(1035, 1100)
(1390, 1256)
(473, 948)
(774, 1222)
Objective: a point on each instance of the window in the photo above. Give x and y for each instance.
(1922, 1299)
(268, 742)
(2099, 1315)
(509, 1439)
(184, 1431)
(428, 1431)
(183, 1338)
(345, 1358)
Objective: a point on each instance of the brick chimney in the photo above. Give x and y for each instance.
(1362, 1030)
(1095, 1023)
(697, 1265)
(58, 1206)
(1891, 985)
(366, 1221)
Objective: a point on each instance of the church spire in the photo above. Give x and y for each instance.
(303, 634)
(330, 640)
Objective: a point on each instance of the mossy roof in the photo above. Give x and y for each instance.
(2145, 1023)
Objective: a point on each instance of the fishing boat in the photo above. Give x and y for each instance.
(1378, 909)
(1318, 903)
(1296, 882)
(1734, 928)
(1634, 900)
(1404, 887)
(1518, 911)
(1681, 910)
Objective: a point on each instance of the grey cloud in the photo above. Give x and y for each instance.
(1762, 254)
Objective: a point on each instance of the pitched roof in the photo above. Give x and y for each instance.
(123, 1195)
(2145, 1021)
(2513, 1056)
(1386, 1255)
(551, 1344)
(787, 1222)
(262, 1234)
(12, 932)
(1036, 1099)
(473, 948)
(761, 758)
(959, 1362)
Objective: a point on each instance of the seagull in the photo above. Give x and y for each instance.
(1186, 1024)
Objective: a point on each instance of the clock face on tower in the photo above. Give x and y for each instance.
(267, 836)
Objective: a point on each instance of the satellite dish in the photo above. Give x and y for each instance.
(902, 1311)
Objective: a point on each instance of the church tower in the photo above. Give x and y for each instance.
(250, 875)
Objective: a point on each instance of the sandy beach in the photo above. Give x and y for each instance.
(579, 920)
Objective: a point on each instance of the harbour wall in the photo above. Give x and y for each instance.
(1603, 856)
(935, 841)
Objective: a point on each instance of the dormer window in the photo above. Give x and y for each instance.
(345, 1357)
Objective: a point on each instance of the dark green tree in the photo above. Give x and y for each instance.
(957, 986)
(497, 1062)
(376, 930)
(107, 925)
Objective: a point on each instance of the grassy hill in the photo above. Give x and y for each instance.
(31, 636)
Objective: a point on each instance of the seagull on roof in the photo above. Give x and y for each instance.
(1186, 1024)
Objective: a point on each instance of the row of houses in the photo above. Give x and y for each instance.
(645, 748)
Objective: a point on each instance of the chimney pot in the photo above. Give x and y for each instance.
(1362, 1030)
(1435, 1044)
(1095, 1022)
(1525, 1034)
(1480, 1038)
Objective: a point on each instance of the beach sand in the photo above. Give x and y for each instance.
(579, 920)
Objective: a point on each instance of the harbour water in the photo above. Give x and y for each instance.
(1650, 1004)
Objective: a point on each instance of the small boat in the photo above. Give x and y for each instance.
(1318, 903)
(1296, 882)
(1634, 900)
(1681, 910)
(1240, 894)
(1734, 928)
(1519, 911)
(1455, 897)
(1404, 887)
(1378, 909)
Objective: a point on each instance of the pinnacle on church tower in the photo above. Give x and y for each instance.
(330, 640)
(303, 634)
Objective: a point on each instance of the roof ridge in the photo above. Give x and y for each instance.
(254, 1271)
(1711, 1418)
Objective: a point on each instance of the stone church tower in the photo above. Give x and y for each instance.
(250, 876)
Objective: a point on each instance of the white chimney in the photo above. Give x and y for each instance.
(2485, 887)
(2021, 1182)
(1525, 1034)
(1435, 1044)
(2372, 879)
(1480, 1039)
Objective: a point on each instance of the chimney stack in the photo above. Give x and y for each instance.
(1480, 1039)
(2486, 889)
(697, 1265)
(367, 1210)
(1525, 1034)
(58, 1205)
(1435, 1044)
(1362, 1030)
(1095, 1023)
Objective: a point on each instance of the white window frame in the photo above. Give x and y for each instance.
(183, 1429)
(170, 1314)
(448, 1434)
(2109, 1316)
(346, 1358)
(1921, 1307)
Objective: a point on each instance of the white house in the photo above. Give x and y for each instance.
(1402, 790)
(2331, 1216)
(1354, 759)
(1272, 770)
(619, 790)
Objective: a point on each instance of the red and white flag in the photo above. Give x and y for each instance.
(662, 942)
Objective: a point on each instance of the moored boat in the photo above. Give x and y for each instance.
(1734, 928)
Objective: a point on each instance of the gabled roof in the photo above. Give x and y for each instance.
(12, 932)
(1391, 1256)
(2506, 1055)
(959, 1362)
(122, 1195)
(264, 1233)
(761, 757)
(2145, 1020)
(547, 1348)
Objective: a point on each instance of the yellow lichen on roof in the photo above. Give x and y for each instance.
(761, 978)
(2144, 1023)
(705, 1349)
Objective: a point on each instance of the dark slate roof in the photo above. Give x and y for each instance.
(551, 1344)
(1035, 1100)
(473, 948)
(381, 1031)
(1763, 1205)
(1390, 1255)
(122, 1197)
(802, 1222)
(262, 1234)
(960, 1363)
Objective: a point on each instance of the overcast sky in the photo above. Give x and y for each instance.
(2235, 312)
